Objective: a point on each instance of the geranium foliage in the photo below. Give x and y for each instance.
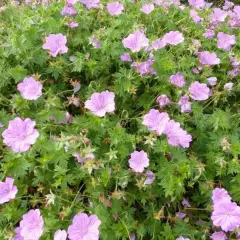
(119, 119)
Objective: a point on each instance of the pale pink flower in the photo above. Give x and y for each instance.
(228, 86)
(186, 203)
(195, 17)
(72, 1)
(69, 10)
(101, 103)
(95, 42)
(73, 24)
(30, 89)
(234, 61)
(212, 81)
(144, 68)
(156, 121)
(132, 236)
(180, 215)
(7, 190)
(199, 91)
(197, 3)
(18, 236)
(186, 106)
(220, 195)
(177, 80)
(32, 225)
(208, 58)
(219, 236)
(60, 235)
(136, 41)
(91, 4)
(158, 44)
(225, 41)
(182, 238)
(176, 135)
(84, 227)
(148, 8)
(173, 38)
(78, 157)
(227, 5)
(138, 161)
(150, 178)
(218, 16)
(56, 44)
(163, 100)
(115, 8)
(226, 215)
(20, 134)
(209, 33)
(126, 57)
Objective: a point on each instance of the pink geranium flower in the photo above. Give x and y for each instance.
(150, 178)
(18, 236)
(60, 235)
(158, 44)
(30, 89)
(218, 16)
(148, 8)
(228, 86)
(91, 4)
(226, 215)
(78, 157)
(208, 58)
(197, 3)
(182, 238)
(115, 8)
(56, 44)
(101, 103)
(138, 161)
(186, 106)
(84, 227)
(186, 203)
(199, 91)
(180, 215)
(173, 38)
(144, 68)
(176, 135)
(20, 134)
(126, 57)
(73, 24)
(227, 5)
(69, 10)
(212, 81)
(32, 225)
(163, 100)
(209, 33)
(72, 1)
(95, 42)
(195, 17)
(7, 190)
(177, 80)
(220, 195)
(136, 41)
(156, 121)
(225, 41)
(219, 236)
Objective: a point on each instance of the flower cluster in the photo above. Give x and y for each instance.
(226, 214)
(112, 112)
(161, 124)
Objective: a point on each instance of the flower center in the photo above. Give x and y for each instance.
(85, 231)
